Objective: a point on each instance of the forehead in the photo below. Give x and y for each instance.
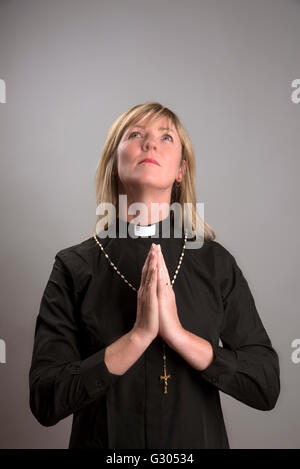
(160, 123)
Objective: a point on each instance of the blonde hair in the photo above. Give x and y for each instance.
(106, 180)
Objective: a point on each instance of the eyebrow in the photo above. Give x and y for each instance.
(160, 128)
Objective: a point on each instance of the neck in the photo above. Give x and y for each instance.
(150, 209)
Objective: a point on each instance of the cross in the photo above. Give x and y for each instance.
(165, 377)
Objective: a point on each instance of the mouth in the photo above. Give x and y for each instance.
(150, 160)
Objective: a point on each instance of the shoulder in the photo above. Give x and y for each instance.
(76, 259)
(219, 250)
(218, 259)
(214, 250)
(228, 272)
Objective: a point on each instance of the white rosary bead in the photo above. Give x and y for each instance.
(166, 376)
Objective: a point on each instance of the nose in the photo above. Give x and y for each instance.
(149, 143)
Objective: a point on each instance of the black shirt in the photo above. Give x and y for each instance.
(86, 306)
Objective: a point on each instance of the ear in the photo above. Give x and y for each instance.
(181, 171)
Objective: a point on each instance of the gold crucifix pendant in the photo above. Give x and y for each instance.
(165, 377)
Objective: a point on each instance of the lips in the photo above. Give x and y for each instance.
(149, 160)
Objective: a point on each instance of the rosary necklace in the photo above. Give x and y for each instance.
(165, 376)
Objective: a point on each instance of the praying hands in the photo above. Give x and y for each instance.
(157, 313)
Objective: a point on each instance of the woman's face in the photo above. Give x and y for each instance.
(149, 142)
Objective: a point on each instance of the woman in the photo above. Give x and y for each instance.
(127, 336)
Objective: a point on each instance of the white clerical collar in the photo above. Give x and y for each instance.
(140, 230)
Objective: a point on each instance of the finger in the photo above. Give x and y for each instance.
(161, 282)
(163, 268)
(145, 268)
(159, 274)
(151, 270)
(153, 279)
(146, 265)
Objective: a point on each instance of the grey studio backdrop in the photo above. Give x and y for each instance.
(226, 67)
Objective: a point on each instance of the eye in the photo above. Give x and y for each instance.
(132, 133)
(167, 135)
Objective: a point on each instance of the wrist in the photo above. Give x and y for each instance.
(178, 334)
(141, 336)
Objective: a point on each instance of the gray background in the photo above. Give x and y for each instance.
(225, 67)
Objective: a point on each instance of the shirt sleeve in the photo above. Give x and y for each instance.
(247, 366)
(61, 382)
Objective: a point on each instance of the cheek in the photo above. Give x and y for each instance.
(173, 165)
(127, 153)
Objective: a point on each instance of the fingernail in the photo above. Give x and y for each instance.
(159, 247)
